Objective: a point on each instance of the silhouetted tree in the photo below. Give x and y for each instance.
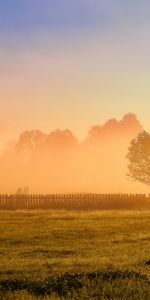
(139, 158)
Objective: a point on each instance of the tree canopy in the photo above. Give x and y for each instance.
(139, 158)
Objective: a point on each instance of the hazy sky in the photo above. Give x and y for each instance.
(73, 63)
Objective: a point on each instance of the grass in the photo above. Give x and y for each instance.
(74, 255)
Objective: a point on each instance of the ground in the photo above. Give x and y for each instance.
(74, 255)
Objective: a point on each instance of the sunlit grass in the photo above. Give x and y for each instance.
(41, 248)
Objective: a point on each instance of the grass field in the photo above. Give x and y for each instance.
(74, 255)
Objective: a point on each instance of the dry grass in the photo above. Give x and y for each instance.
(74, 255)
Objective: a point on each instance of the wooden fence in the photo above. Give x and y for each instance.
(74, 201)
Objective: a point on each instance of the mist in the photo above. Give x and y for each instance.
(59, 163)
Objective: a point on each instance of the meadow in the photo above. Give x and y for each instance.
(51, 255)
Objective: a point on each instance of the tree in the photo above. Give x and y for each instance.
(139, 158)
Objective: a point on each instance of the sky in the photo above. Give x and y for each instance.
(72, 64)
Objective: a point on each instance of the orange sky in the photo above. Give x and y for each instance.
(72, 64)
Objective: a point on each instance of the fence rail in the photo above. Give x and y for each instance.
(74, 201)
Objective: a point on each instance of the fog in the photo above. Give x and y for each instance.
(58, 163)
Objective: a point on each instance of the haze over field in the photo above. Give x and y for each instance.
(58, 162)
(74, 121)
(72, 64)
